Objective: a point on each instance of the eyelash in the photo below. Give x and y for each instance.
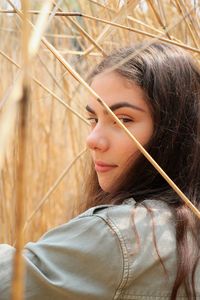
(125, 120)
(94, 120)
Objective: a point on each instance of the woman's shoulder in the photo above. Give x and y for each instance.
(146, 232)
(154, 212)
(142, 228)
(126, 243)
(128, 205)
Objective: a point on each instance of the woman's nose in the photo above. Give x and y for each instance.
(96, 140)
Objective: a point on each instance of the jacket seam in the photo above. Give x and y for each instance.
(126, 267)
(124, 255)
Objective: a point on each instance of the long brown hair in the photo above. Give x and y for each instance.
(170, 79)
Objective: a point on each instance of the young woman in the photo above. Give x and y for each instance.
(139, 241)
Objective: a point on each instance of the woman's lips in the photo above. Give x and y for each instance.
(103, 167)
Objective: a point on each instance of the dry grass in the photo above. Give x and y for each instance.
(53, 161)
(55, 135)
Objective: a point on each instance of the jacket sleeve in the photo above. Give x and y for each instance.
(79, 260)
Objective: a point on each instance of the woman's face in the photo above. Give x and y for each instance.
(110, 146)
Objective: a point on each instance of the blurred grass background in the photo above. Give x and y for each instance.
(55, 135)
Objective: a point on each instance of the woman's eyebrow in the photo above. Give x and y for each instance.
(117, 106)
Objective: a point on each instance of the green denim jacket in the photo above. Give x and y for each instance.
(109, 252)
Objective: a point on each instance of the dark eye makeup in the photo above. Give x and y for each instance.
(94, 120)
(125, 119)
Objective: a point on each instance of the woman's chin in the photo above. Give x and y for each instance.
(107, 183)
(105, 186)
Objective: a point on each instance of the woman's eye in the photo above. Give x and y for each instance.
(93, 121)
(125, 120)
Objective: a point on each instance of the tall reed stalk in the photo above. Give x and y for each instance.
(51, 142)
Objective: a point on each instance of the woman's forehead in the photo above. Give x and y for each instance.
(116, 90)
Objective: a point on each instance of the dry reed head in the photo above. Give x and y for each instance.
(55, 135)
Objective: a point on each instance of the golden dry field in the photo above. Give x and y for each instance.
(47, 51)
(44, 168)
